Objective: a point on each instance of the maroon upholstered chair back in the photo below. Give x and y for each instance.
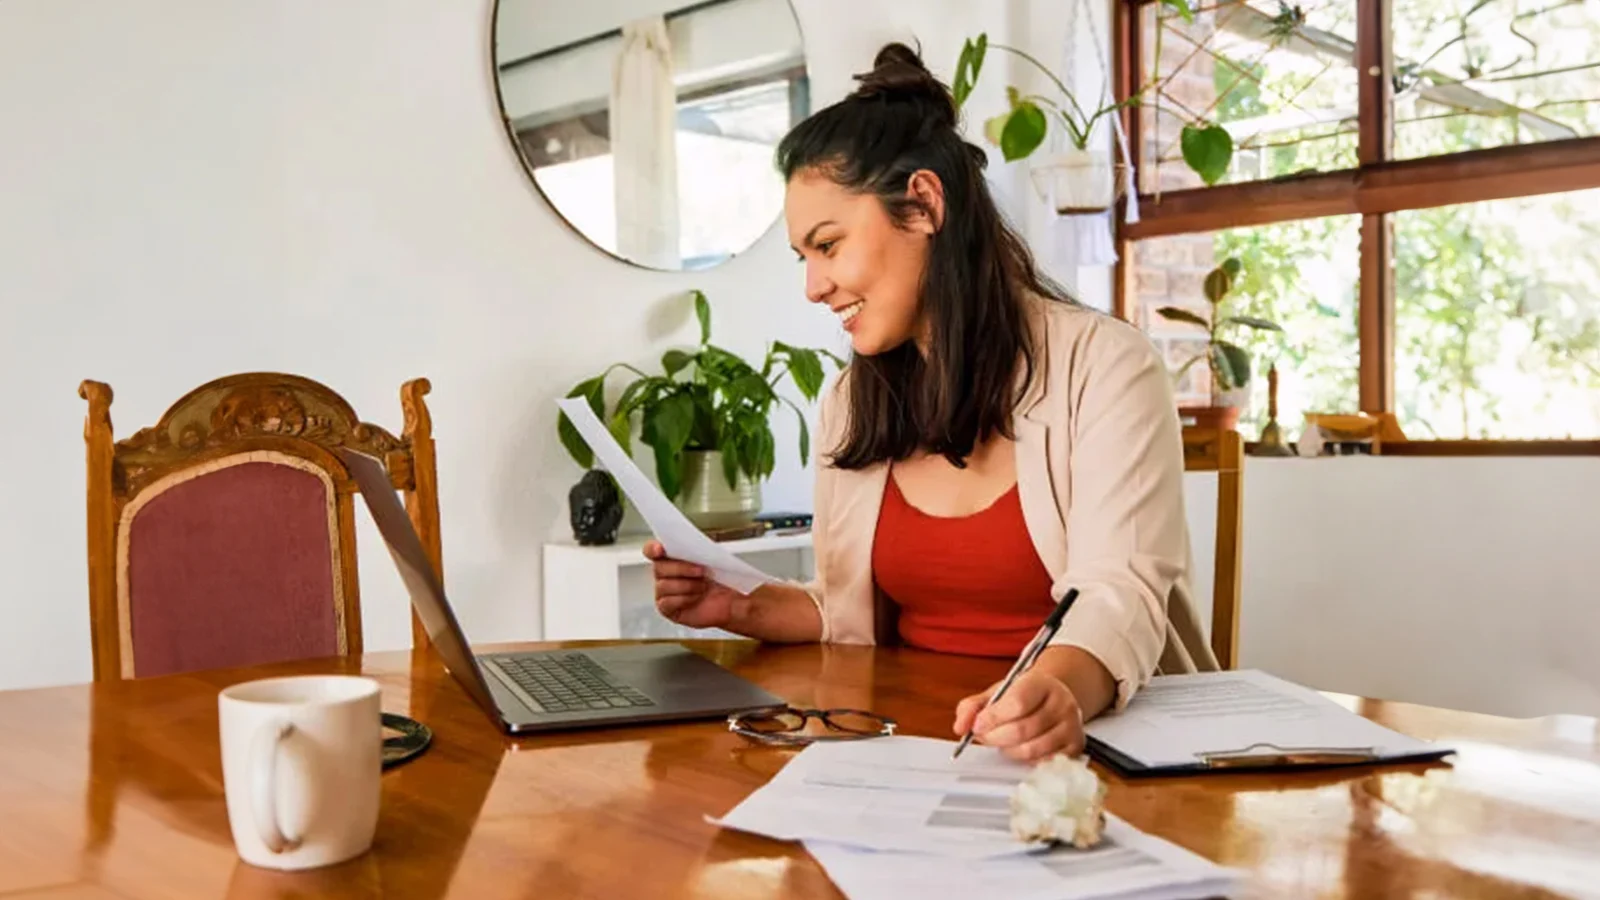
(224, 535)
(231, 563)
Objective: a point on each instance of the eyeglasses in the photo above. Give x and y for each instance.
(786, 725)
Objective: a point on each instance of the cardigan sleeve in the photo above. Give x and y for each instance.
(1127, 536)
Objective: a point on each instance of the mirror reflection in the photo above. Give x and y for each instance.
(650, 125)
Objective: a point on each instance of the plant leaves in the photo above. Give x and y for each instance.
(669, 471)
(806, 369)
(1024, 131)
(1179, 314)
(765, 450)
(707, 433)
(702, 311)
(667, 425)
(592, 390)
(638, 394)
(1181, 7)
(1253, 322)
(753, 390)
(805, 431)
(1232, 364)
(718, 361)
(1207, 151)
(621, 429)
(577, 448)
(1218, 284)
(730, 469)
(1233, 267)
(671, 421)
(745, 447)
(995, 127)
(674, 361)
(968, 65)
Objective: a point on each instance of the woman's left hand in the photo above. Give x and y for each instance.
(1037, 717)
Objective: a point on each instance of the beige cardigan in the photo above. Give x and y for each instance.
(1100, 475)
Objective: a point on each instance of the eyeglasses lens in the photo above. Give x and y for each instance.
(855, 721)
(774, 723)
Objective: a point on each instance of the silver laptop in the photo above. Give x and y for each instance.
(552, 689)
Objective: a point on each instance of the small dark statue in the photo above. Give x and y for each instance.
(596, 509)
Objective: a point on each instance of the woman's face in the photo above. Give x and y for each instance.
(863, 266)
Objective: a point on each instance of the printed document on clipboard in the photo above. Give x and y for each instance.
(671, 527)
(1217, 721)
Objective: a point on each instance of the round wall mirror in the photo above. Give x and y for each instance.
(650, 125)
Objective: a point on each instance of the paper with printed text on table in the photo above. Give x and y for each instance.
(897, 793)
(682, 540)
(1126, 865)
(897, 817)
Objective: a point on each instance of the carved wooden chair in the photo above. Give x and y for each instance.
(1222, 452)
(225, 535)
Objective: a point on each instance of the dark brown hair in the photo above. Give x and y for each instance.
(898, 121)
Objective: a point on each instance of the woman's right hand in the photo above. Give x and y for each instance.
(686, 594)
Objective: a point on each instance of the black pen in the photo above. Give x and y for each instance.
(1024, 662)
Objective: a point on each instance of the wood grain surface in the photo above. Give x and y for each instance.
(114, 790)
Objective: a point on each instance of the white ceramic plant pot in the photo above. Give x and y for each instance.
(1077, 182)
(707, 500)
(1238, 398)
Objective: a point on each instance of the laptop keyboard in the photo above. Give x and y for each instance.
(569, 682)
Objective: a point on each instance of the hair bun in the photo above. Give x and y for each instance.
(898, 73)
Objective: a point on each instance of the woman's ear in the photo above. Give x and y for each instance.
(925, 190)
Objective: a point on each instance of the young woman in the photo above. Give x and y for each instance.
(990, 446)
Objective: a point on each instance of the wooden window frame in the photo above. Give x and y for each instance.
(1377, 187)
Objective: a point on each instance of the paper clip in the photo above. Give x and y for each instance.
(1285, 756)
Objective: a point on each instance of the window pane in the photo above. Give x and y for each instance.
(1486, 73)
(1302, 275)
(1497, 320)
(1279, 77)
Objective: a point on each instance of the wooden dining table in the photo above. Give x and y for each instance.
(115, 790)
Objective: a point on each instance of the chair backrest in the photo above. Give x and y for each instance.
(1222, 451)
(225, 534)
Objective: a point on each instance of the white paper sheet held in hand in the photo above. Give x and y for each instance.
(671, 527)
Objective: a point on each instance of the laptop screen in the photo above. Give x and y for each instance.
(427, 594)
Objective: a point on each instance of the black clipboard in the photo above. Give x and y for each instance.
(1253, 759)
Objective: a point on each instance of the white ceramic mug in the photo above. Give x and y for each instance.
(301, 760)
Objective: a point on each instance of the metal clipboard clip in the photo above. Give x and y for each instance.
(1251, 757)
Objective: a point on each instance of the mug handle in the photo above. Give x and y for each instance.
(264, 786)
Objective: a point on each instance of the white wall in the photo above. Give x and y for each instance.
(191, 188)
(1465, 583)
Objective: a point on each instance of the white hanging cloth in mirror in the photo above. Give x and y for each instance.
(1093, 235)
(644, 132)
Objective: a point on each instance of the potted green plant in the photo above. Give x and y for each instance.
(1078, 179)
(1229, 362)
(706, 418)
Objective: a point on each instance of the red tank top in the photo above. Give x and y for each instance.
(972, 585)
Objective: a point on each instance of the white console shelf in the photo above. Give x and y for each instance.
(608, 592)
